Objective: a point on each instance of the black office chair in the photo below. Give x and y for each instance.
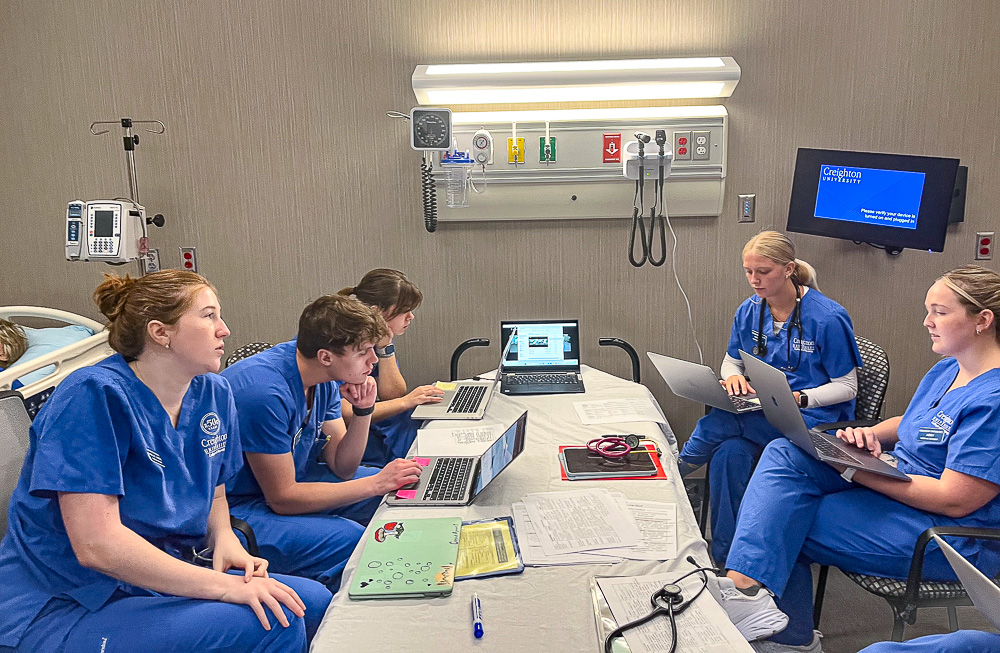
(873, 381)
(906, 596)
(246, 351)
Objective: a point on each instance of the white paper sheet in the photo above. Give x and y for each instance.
(460, 441)
(534, 556)
(613, 411)
(579, 520)
(657, 523)
(703, 627)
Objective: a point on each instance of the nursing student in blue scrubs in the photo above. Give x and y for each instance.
(962, 641)
(392, 429)
(303, 490)
(124, 478)
(789, 324)
(799, 510)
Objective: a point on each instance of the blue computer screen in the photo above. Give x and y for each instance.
(886, 198)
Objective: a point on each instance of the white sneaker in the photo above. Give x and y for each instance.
(756, 617)
(774, 647)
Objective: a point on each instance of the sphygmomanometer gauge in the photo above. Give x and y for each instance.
(430, 129)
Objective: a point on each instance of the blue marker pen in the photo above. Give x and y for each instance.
(477, 616)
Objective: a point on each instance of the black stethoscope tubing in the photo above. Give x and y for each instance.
(795, 320)
(667, 600)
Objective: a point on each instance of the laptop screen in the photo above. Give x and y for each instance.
(542, 345)
(507, 447)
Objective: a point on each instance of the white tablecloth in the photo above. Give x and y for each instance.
(544, 608)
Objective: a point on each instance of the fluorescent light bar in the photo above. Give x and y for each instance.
(579, 115)
(567, 66)
(575, 81)
(576, 93)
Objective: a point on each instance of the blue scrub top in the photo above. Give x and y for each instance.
(104, 432)
(957, 430)
(826, 344)
(273, 414)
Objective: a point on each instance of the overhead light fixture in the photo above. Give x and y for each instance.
(575, 81)
(583, 115)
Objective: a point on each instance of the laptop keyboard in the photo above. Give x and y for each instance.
(533, 379)
(831, 451)
(743, 404)
(467, 399)
(448, 479)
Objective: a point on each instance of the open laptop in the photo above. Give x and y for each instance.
(544, 360)
(699, 383)
(782, 411)
(457, 480)
(462, 399)
(984, 593)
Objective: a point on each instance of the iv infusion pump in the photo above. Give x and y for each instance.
(104, 230)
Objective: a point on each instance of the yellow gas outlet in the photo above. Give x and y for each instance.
(515, 153)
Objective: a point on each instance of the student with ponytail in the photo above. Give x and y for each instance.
(124, 478)
(789, 324)
(392, 429)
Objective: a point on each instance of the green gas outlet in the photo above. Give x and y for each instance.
(547, 152)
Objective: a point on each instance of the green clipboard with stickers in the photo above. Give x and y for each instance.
(408, 558)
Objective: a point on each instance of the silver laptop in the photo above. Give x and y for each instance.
(782, 411)
(699, 383)
(984, 593)
(458, 480)
(463, 399)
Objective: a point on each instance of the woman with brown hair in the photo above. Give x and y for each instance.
(125, 476)
(392, 429)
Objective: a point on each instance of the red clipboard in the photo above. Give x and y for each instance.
(660, 474)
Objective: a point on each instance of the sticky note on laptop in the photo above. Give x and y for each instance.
(445, 385)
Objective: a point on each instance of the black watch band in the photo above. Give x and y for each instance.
(803, 400)
(361, 412)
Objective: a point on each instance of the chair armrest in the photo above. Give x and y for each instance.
(629, 349)
(917, 564)
(244, 528)
(457, 354)
(855, 423)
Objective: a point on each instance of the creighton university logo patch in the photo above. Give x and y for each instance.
(210, 424)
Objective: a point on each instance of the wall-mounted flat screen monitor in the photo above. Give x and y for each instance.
(892, 200)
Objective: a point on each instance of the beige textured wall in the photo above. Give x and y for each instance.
(272, 109)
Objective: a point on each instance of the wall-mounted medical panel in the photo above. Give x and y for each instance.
(572, 163)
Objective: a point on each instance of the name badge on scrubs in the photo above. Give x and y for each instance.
(930, 435)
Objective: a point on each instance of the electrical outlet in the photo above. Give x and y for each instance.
(152, 261)
(984, 246)
(747, 210)
(189, 260)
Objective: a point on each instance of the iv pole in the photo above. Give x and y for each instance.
(130, 142)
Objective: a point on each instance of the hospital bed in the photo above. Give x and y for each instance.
(82, 353)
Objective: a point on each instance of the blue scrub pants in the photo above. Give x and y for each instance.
(798, 510)
(389, 439)
(162, 624)
(962, 641)
(315, 545)
(733, 443)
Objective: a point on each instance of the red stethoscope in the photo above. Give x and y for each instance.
(613, 447)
